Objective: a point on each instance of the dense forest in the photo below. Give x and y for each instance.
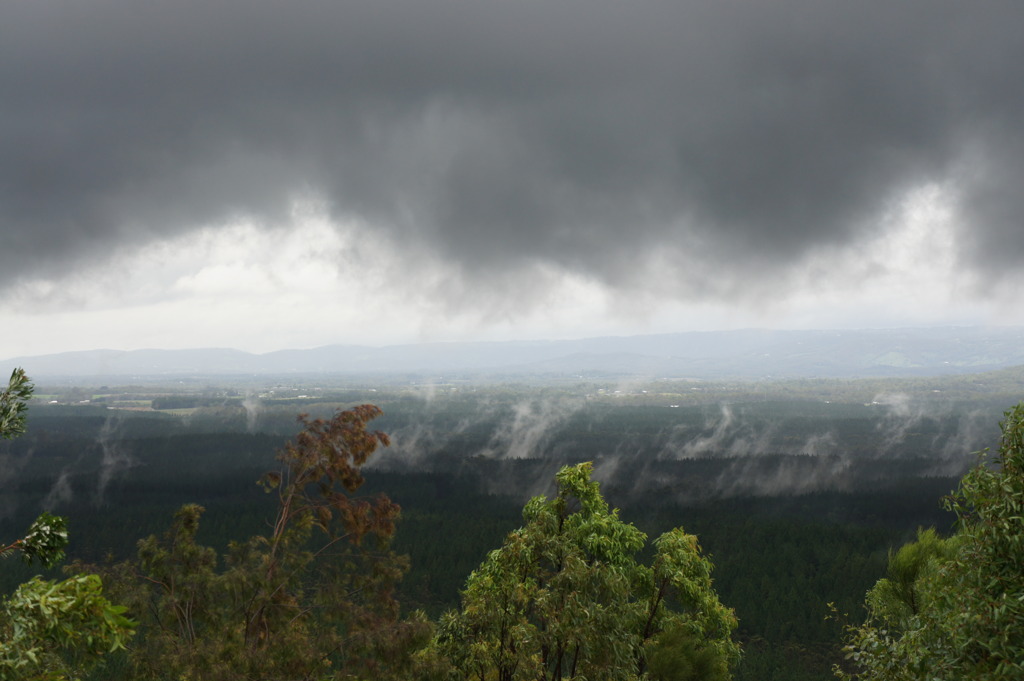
(797, 492)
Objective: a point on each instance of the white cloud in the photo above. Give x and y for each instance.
(909, 274)
(315, 281)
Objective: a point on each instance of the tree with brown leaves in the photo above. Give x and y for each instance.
(311, 599)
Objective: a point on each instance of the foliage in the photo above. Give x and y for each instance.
(311, 599)
(565, 598)
(44, 541)
(954, 609)
(900, 596)
(59, 630)
(14, 404)
(51, 630)
(48, 535)
(676, 654)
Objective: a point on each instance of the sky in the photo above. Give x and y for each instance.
(262, 175)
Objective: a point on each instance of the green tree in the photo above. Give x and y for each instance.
(44, 541)
(954, 609)
(59, 630)
(902, 595)
(311, 599)
(51, 630)
(565, 598)
(14, 404)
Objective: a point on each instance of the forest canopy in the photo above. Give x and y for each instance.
(307, 578)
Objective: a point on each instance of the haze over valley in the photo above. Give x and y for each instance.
(748, 354)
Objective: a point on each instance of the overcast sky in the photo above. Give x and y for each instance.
(262, 174)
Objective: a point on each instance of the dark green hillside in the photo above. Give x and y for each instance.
(797, 490)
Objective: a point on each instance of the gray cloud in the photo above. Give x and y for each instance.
(586, 134)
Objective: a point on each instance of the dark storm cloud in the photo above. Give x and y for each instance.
(584, 133)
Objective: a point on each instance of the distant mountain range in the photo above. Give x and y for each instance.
(705, 355)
